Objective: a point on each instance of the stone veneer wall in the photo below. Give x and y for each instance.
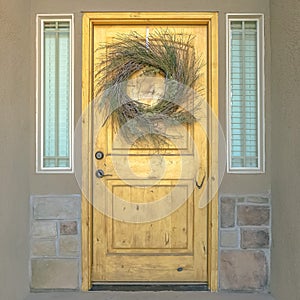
(55, 242)
(245, 240)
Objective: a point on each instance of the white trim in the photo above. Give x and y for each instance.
(40, 19)
(260, 92)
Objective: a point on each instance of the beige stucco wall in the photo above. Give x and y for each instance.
(285, 16)
(15, 101)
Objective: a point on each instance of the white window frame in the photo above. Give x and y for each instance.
(40, 20)
(260, 92)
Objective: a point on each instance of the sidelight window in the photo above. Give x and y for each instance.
(55, 94)
(245, 91)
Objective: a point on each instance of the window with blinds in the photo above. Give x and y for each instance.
(56, 103)
(244, 85)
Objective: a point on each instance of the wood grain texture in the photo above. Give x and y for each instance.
(115, 250)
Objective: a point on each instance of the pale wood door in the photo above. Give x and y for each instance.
(147, 224)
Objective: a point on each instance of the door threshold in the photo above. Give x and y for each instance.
(155, 287)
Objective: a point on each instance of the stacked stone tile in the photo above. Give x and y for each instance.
(55, 242)
(245, 231)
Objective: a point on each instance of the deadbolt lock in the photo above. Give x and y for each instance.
(99, 155)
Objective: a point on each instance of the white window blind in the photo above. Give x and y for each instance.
(244, 97)
(55, 136)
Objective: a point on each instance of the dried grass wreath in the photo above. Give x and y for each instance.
(170, 55)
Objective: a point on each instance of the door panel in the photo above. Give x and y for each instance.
(146, 222)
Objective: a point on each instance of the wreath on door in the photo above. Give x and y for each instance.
(170, 55)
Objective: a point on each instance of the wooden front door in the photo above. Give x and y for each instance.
(143, 221)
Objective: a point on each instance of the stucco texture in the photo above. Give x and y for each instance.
(14, 141)
(285, 34)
